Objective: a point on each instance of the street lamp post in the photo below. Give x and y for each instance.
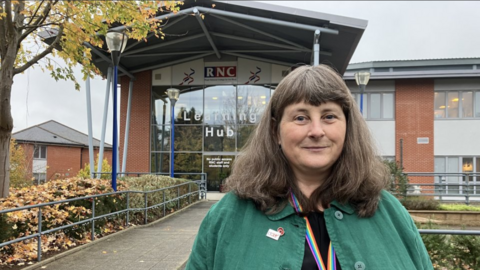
(116, 42)
(362, 78)
(173, 95)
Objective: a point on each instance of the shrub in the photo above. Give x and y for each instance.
(399, 181)
(457, 252)
(18, 166)
(153, 182)
(85, 172)
(414, 203)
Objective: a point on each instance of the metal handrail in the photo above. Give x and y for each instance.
(463, 188)
(201, 193)
(452, 232)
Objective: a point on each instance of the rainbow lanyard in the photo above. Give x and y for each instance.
(313, 244)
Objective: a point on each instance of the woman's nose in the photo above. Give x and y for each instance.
(316, 129)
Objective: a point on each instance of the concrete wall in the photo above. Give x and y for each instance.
(383, 133)
(457, 137)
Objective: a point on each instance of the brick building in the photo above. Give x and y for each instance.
(426, 115)
(54, 150)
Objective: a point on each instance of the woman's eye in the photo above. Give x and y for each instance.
(300, 118)
(330, 117)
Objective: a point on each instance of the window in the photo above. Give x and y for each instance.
(457, 104)
(39, 178)
(440, 105)
(461, 171)
(377, 106)
(40, 152)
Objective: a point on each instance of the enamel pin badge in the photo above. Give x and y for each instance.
(275, 235)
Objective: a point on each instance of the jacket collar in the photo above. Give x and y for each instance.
(289, 210)
(346, 208)
(286, 211)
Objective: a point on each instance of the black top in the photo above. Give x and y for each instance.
(317, 221)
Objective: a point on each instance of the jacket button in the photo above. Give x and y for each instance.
(359, 266)
(338, 215)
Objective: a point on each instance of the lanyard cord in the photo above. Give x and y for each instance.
(312, 243)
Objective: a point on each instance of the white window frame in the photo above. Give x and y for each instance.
(475, 109)
(40, 151)
(366, 99)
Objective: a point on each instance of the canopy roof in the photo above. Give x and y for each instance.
(247, 29)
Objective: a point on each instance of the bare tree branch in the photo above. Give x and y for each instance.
(35, 13)
(41, 25)
(39, 56)
(38, 22)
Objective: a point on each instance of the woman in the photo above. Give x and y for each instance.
(307, 191)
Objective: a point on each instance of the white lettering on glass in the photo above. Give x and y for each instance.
(185, 116)
(208, 131)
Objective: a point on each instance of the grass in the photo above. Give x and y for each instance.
(458, 207)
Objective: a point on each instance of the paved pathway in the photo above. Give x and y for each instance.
(162, 245)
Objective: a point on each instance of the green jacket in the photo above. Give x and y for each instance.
(233, 236)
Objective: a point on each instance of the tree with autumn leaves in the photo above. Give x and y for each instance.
(73, 22)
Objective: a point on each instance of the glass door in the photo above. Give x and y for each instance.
(217, 168)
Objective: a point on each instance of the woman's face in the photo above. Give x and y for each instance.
(312, 137)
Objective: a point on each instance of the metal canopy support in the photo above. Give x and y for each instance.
(239, 16)
(266, 20)
(89, 120)
(316, 48)
(127, 127)
(207, 34)
(262, 42)
(259, 31)
(179, 61)
(104, 123)
(169, 24)
(260, 59)
(163, 44)
(259, 51)
(166, 54)
(105, 58)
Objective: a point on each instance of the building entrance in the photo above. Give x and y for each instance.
(218, 168)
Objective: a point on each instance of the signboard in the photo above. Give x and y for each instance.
(253, 72)
(423, 140)
(220, 73)
(190, 73)
(219, 162)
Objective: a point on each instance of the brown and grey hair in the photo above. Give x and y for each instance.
(262, 173)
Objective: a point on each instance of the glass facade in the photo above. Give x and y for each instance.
(212, 124)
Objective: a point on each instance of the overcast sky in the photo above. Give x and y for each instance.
(395, 31)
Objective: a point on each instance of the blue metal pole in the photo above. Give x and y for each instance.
(114, 146)
(172, 138)
(362, 89)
